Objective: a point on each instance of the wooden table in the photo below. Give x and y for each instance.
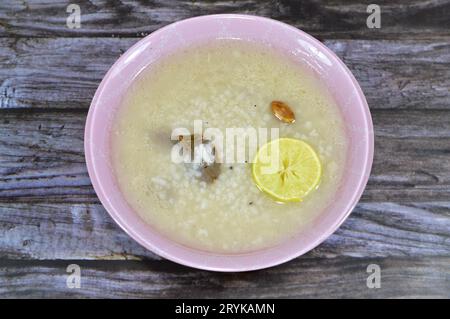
(50, 216)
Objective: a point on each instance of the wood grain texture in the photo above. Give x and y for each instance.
(86, 232)
(50, 216)
(42, 157)
(65, 72)
(64, 231)
(306, 277)
(329, 19)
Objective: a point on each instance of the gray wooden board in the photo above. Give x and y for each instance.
(48, 231)
(65, 72)
(306, 277)
(331, 19)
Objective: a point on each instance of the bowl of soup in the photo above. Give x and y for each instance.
(229, 142)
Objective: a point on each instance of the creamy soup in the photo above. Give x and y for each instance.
(225, 84)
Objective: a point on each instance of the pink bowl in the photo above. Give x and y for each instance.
(304, 49)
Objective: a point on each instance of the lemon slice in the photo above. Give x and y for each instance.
(287, 169)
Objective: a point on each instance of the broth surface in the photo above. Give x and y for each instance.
(226, 84)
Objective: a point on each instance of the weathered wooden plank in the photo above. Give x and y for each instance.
(330, 19)
(306, 277)
(42, 157)
(64, 231)
(42, 154)
(58, 73)
(64, 73)
(397, 74)
(85, 231)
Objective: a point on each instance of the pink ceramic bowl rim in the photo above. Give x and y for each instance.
(300, 46)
